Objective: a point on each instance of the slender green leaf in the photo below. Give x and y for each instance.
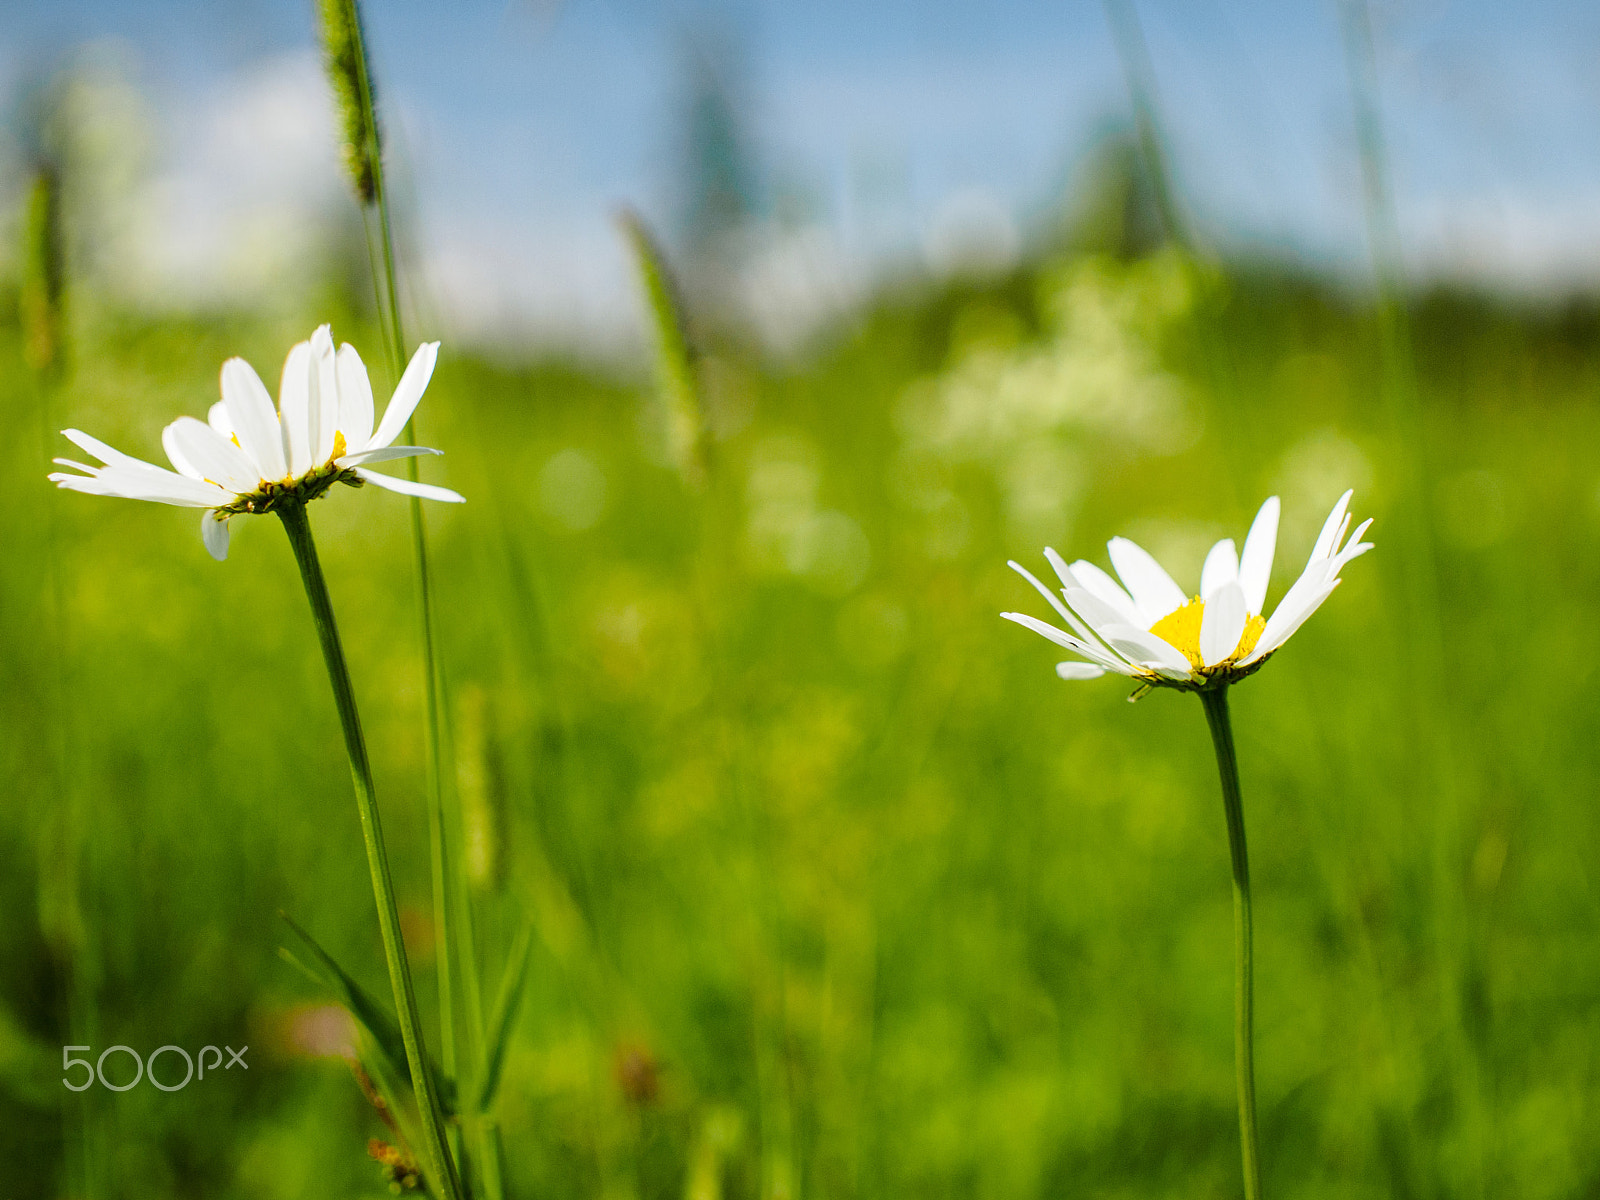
(378, 1066)
(370, 1013)
(500, 1022)
(380, 1075)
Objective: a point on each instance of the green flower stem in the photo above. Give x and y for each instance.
(1216, 706)
(441, 1167)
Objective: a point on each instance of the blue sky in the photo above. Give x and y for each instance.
(523, 124)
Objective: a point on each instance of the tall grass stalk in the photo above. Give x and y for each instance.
(457, 894)
(1423, 649)
(441, 1166)
(460, 986)
(42, 305)
(1139, 75)
(687, 424)
(1414, 515)
(1201, 274)
(1216, 706)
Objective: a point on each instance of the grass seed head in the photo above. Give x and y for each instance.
(344, 48)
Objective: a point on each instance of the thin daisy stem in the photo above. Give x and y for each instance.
(441, 1167)
(1216, 706)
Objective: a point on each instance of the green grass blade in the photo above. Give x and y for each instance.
(370, 1012)
(500, 1023)
(377, 1070)
(350, 73)
(29, 1070)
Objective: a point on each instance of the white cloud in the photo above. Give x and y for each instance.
(533, 283)
(246, 198)
(973, 231)
(1527, 243)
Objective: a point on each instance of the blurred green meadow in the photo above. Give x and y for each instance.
(835, 890)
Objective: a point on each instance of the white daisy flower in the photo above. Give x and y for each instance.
(1148, 629)
(248, 457)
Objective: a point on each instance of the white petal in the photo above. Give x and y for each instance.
(132, 478)
(1078, 670)
(1255, 563)
(1059, 566)
(144, 482)
(1315, 579)
(89, 482)
(1317, 575)
(324, 406)
(217, 417)
(1288, 622)
(1147, 581)
(294, 405)
(1094, 580)
(255, 421)
(355, 399)
(1054, 601)
(1069, 580)
(1222, 566)
(1149, 650)
(1354, 549)
(200, 452)
(1326, 540)
(1050, 597)
(1349, 554)
(1222, 623)
(95, 483)
(1043, 628)
(426, 491)
(214, 533)
(408, 395)
(105, 453)
(1094, 610)
(383, 454)
(175, 455)
(1066, 641)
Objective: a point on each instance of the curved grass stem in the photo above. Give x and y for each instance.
(1216, 706)
(454, 953)
(441, 1167)
(452, 930)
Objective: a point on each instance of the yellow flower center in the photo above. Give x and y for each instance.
(1180, 628)
(340, 449)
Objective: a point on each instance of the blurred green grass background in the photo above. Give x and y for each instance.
(836, 890)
